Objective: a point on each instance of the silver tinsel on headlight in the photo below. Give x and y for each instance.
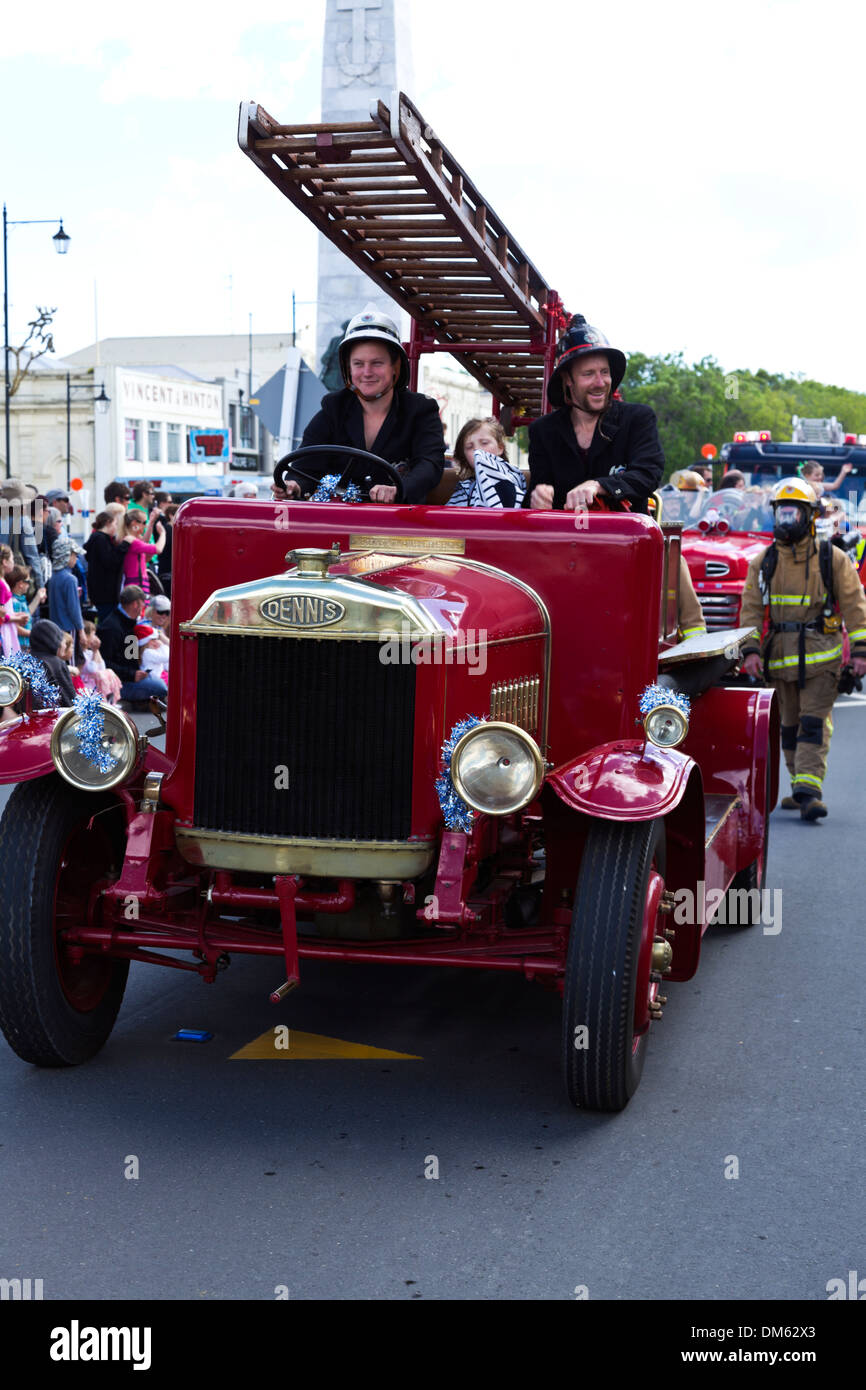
(458, 816)
(655, 695)
(34, 673)
(90, 731)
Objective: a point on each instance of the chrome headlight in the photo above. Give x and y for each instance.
(497, 768)
(11, 686)
(120, 739)
(666, 726)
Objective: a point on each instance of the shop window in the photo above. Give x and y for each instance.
(248, 428)
(173, 442)
(154, 441)
(133, 440)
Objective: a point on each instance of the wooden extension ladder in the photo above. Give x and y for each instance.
(391, 196)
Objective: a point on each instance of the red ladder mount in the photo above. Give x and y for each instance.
(390, 195)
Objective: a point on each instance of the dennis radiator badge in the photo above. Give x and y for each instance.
(302, 610)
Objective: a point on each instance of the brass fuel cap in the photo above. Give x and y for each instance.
(312, 563)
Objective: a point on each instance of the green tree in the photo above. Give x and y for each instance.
(689, 402)
(699, 403)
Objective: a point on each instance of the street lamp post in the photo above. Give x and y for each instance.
(102, 402)
(61, 245)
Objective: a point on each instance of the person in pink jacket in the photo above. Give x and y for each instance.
(133, 530)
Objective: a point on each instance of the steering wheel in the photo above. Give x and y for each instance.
(364, 469)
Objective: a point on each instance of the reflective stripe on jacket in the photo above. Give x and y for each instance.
(798, 595)
(691, 614)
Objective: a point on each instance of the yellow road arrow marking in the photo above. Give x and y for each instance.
(289, 1045)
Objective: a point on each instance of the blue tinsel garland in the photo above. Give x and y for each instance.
(458, 816)
(34, 673)
(328, 486)
(656, 695)
(90, 731)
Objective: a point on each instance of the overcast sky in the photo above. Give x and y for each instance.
(689, 176)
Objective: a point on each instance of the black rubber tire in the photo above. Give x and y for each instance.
(37, 1017)
(601, 969)
(749, 880)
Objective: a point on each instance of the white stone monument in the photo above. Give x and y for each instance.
(366, 57)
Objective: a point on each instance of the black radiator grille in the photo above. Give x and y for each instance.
(330, 713)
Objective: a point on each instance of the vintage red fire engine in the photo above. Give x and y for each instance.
(395, 734)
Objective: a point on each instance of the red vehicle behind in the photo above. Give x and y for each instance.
(722, 531)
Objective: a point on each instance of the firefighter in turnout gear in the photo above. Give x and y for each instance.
(797, 593)
(692, 622)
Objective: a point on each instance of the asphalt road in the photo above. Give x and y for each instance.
(257, 1177)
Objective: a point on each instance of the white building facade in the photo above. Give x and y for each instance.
(146, 431)
(163, 390)
(41, 428)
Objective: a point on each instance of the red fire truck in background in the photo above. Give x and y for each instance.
(724, 529)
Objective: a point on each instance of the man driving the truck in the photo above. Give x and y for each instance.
(592, 446)
(375, 411)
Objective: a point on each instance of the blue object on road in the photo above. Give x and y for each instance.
(192, 1035)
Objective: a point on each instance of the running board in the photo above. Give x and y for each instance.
(722, 841)
(717, 811)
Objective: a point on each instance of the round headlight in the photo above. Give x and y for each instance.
(666, 726)
(119, 739)
(497, 768)
(11, 686)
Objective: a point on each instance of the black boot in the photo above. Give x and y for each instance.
(812, 809)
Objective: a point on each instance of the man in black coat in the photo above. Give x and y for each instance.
(377, 413)
(592, 446)
(120, 648)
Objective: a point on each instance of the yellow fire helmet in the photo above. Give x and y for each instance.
(687, 481)
(794, 490)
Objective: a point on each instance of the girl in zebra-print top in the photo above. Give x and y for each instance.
(485, 476)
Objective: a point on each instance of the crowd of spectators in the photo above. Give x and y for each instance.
(96, 617)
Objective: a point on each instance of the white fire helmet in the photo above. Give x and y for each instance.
(372, 325)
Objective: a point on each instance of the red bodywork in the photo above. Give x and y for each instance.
(576, 608)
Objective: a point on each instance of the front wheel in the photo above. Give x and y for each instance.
(609, 990)
(58, 849)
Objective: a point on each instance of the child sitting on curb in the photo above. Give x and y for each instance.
(46, 644)
(67, 654)
(153, 652)
(94, 673)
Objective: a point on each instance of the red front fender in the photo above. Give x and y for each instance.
(25, 747)
(627, 780)
(25, 750)
(630, 781)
